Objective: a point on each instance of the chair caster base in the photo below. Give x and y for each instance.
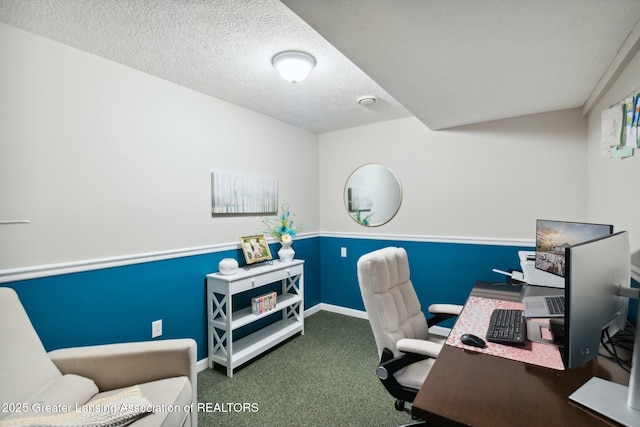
(399, 405)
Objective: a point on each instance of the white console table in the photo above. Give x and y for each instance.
(224, 319)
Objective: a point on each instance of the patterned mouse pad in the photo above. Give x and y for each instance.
(474, 319)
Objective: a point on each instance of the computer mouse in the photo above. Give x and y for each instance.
(473, 340)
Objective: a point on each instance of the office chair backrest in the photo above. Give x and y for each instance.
(389, 297)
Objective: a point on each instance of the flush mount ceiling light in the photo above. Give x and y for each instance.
(293, 66)
(367, 100)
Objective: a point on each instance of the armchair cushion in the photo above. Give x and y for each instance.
(66, 391)
(171, 401)
(165, 371)
(117, 410)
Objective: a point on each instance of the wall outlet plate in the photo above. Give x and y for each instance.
(156, 328)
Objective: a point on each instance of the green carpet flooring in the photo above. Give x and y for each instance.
(325, 377)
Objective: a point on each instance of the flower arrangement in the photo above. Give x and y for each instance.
(364, 220)
(284, 226)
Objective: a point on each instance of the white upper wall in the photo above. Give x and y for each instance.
(107, 161)
(613, 184)
(490, 180)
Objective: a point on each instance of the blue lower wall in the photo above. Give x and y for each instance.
(118, 304)
(440, 272)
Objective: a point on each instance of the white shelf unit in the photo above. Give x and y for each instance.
(224, 319)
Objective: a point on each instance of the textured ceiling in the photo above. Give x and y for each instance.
(449, 63)
(218, 47)
(457, 62)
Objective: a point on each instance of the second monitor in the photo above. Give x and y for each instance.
(553, 237)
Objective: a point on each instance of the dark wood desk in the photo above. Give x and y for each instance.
(466, 388)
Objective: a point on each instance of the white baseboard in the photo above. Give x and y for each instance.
(201, 365)
(346, 311)
(313, 310)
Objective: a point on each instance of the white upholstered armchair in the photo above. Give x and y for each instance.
(150, 383)
(400, 328)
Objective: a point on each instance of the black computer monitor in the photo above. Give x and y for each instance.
(597, 274)
(553, 237)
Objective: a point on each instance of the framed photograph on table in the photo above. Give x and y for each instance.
(255, 249)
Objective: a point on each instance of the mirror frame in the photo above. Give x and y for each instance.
(345, 197)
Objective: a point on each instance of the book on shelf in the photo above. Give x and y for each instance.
(264, 303)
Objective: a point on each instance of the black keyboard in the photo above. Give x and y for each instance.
(555, 305)
(506, 326)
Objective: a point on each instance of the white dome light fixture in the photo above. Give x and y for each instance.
(293, 66)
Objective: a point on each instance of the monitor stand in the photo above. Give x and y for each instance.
(554, 329)
(614, 401)
(608, 399)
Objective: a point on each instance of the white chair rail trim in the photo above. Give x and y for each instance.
(33, 272)
(492, 241)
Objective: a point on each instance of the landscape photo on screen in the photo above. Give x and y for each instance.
(553, 237)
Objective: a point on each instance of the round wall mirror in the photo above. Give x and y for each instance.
(372, 195)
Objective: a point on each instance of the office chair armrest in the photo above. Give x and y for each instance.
(442, 312)
(424, 347)
(452, 309)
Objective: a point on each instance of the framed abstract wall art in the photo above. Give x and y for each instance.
(233, 193)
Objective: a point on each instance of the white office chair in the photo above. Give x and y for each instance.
(405, 348)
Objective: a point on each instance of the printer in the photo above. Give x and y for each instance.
(533, 276)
